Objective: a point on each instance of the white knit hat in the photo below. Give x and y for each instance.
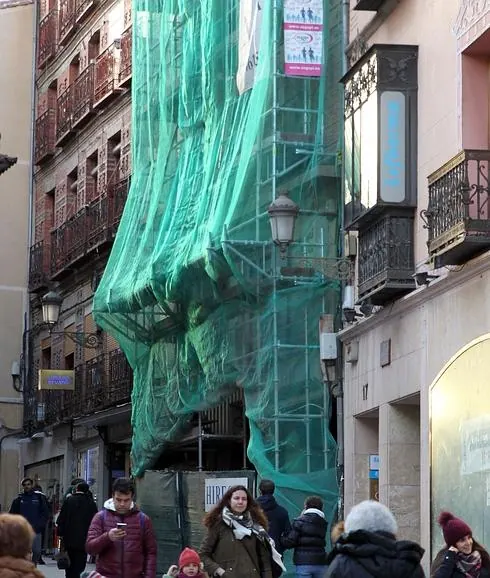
(371, 516)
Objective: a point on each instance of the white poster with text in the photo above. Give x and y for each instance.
(248, 43)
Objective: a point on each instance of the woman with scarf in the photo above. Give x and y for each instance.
(462, 557)
(236, 544)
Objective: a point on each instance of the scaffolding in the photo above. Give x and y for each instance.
(195, 291)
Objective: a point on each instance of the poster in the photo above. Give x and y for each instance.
(215, 488)
(250, 24)
(303, 37)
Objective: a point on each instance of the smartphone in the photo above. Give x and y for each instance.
(121, 526)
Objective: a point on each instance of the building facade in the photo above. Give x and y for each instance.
(16, 47)
(416, 214)
(82, 172)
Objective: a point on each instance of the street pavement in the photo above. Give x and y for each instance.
(50, 570)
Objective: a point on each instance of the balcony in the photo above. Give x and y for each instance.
(126, 68)
(67, 20)
(83, 8)
(118, 194)
(83, 95)
(386, 259)
(48, 28)
(38, 266)
(45, 142)
(86, 231)
(101, 383)
(64, 105)
(106, 75)
(458, 216)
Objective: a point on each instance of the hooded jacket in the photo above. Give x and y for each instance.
(375, 555)
(278, 519)
(11, 567)
(133, 557)
(34, 507)
(308, 538)
(74, 520)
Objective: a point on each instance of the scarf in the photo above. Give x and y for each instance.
(243, 525)
(469, 564)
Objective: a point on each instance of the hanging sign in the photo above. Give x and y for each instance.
(250, 24)
(303, 37)
(56, 379)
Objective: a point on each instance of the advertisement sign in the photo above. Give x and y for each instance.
(56, 379)
(250, 24)
(303, 37)
(215, 488)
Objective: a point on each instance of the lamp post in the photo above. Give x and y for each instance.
(51, 306)
(283, 212)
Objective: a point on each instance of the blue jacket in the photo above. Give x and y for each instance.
(278, 519)
(34, 507)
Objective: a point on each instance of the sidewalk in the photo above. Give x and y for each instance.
(50, 570)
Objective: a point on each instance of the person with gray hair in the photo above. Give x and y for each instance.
(369, 548)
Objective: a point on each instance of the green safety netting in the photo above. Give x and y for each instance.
(194, 291)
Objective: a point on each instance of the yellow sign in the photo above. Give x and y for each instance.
(57, 379)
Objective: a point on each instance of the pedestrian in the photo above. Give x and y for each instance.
(277, 516)
(16, 538)
(73, 523)
(369, 548)
(37, 488)
(34, 508)
(122, 537)
(236, 541)
(308, 537)
(190, 566)
(463, 555)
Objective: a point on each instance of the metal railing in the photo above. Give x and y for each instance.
(106, 73)
(126, 68)
(83, 94)
(38, 265)
(64, 105)
(67, 19)
(47, 38)
(45, 141)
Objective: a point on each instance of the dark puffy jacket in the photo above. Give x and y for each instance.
(74, 520)
(34, 507)
(308, 538)
(444, 566)
(133, 557)
(375, 554)
(278, 519)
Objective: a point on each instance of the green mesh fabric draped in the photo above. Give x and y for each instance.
(194, 291)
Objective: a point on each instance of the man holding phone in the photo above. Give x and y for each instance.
(122, 537)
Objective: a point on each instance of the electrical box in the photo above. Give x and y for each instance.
(328, 346)
(350, 244)
(352, 352)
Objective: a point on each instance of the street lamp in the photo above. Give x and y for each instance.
(282, 214)
(51, 306)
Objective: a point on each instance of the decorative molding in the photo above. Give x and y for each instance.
(470, 12)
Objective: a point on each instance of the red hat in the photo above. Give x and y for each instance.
(453, 528)
(189, 556)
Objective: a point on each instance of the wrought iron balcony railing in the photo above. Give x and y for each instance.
(458, 214)
(67, 20)
(126, 68)
(106, 74)
(83, 7)
(64, 114)
(38, 265)
(386, 258)
(118, 194)
(83, 94)
(45, 141)
(47, 38)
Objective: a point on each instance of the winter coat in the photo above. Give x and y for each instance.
(308, 538)
(375, 554)
(18, 568)
(444, 566)
(34, 507)
(74, 520)
(278, 519)
(133, 557)
(245, 558)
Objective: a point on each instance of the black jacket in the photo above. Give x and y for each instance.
(278, 519)
(34, 507)
(74, 520)
(444, 566)
(375, 554)
(308, 538)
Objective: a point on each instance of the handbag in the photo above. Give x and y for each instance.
(63, 560)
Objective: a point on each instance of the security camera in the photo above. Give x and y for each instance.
(423, 278)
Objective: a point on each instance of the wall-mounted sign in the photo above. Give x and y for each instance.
(215, 488)
(57, 379)
(374, 462)
(303, 37)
